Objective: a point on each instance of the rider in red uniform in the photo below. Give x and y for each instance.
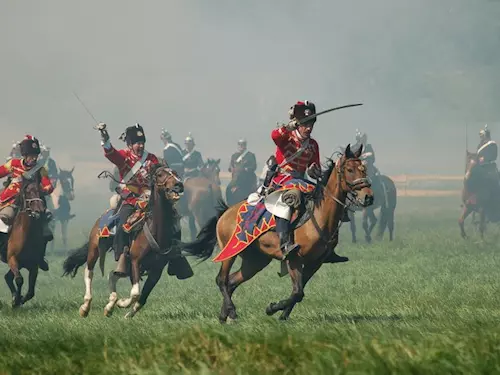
(134, 165)
(296, 154)
(28, 166)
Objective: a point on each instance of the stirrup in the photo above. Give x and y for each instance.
(288, 249)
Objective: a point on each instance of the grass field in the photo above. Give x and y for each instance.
(427, 303)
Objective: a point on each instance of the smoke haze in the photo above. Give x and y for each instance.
(224, 70)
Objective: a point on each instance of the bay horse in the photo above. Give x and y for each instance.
(150, 250)
(479, 194)
(385, 198)
(62, 195)
(25, 245)
(201, 194)
(242, 184)
(317, 237)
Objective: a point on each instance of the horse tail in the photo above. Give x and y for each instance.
(204, 245)
(76, 259)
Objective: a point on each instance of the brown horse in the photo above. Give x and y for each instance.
(386, 197)
(479, 194)
(317, 237)
(150, 249)
(242, 184)
(25, 245)
(201, 194)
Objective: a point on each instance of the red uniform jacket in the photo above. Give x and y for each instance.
(125, 160)
(288, 143)
(15, 168)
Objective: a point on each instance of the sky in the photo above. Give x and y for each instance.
(424, 70)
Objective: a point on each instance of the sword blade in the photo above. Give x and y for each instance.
(84, 106)
(306, 119)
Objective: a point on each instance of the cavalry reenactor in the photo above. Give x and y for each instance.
(193, 162)
(28, 166)
(134, 164)
(172, 153)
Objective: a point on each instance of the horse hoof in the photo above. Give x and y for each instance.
(283, 317)
(129, 315)
(108, 313)
(83, 313)
(231, 320)
(270, 309)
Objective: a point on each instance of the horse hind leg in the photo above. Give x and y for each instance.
(88, 275)
(33, 275)
(252, 263)
(222, 281)
(64, 233)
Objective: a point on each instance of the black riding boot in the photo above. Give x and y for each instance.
(122, 240)
(286, 237)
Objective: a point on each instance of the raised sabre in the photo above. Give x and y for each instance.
(306, 119)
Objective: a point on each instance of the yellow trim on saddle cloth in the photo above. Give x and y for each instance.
(104, 232)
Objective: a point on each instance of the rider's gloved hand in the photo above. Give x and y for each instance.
(314, 171)
(292, 125)
(104, 133)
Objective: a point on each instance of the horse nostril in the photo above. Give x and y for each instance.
(178, 188)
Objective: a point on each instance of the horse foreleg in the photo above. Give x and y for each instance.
(482, 223)
(64, 232)
(18, 279)
(33, 275)
(368, 237)
(192, 226)
(353, 226)
(113, 297)
(88, 275)
(154, 276)
(373, 219)
(9, 279)
(222, 281)
(295, 269)
(465, 212)
(135, 291)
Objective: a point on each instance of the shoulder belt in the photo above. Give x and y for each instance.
(138, 165)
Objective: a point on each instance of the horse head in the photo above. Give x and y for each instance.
(30, 198)
(211, 170)
(167, 181)
(351, 177)
(67, 183)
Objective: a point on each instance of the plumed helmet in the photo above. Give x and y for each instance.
(134, 134)
(165, 134)
(189, 138)
(29, 146)
(302, 110)
(485, 132)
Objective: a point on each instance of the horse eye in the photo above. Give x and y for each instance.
(350, 170)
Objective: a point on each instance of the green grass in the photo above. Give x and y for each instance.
(425, 304)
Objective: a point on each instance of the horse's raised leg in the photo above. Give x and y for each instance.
(113, 297)
(135, 291)
(465, 212)
(295, 269)
(88, 275)
(154, 276)
(309, 271)
(18, 279)
(33, 274)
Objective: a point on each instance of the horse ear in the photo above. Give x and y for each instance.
(218, 161)
(348, 152)
(358, 153)
(72, 169)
